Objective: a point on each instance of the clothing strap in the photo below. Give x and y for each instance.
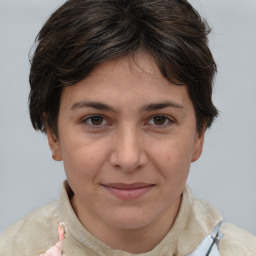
(210, 244)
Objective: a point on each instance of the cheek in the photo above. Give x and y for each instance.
(173, 157)
(82, 161)
(175, 150)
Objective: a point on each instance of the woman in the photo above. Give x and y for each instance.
(123, 91)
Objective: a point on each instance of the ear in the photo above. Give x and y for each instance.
(198, 146)
(54, 144)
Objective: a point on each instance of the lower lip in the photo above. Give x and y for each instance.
(129, 194)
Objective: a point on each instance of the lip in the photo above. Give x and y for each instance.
(128, 192)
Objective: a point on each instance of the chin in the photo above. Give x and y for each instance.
(128, 219)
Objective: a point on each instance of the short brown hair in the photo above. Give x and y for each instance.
(83, 33)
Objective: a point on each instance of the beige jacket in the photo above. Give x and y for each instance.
(37, 232)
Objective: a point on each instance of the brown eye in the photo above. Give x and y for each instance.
(159, 120)
(96, 120)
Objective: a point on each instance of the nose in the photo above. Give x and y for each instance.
(128, 152)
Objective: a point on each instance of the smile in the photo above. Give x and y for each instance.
(128, 191)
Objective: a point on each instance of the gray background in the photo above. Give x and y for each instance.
(226, 173)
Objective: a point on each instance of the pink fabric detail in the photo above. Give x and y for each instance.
(56, 250)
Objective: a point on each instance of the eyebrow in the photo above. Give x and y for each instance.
(92, 104)
(161, 105)
(105, 107)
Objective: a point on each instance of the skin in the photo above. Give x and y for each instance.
(143, 130)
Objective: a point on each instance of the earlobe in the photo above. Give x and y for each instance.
(198, 147)
(54, 145)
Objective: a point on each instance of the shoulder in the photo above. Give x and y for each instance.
(237, 241)
(31, 234)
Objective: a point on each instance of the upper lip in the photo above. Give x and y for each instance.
(126, 186)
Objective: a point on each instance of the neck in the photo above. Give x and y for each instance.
(134, 241)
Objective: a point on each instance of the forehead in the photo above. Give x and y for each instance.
(140, 67)
(131, 80)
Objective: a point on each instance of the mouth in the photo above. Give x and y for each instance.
(128, 191)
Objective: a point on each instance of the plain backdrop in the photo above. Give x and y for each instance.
(225, 175)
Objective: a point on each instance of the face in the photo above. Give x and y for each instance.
(127, 138)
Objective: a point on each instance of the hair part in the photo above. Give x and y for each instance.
(84, 33)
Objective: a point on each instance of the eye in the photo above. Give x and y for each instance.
(160, 121)
(95, 121)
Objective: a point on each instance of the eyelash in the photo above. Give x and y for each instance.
(88, 121)
(167, 121)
